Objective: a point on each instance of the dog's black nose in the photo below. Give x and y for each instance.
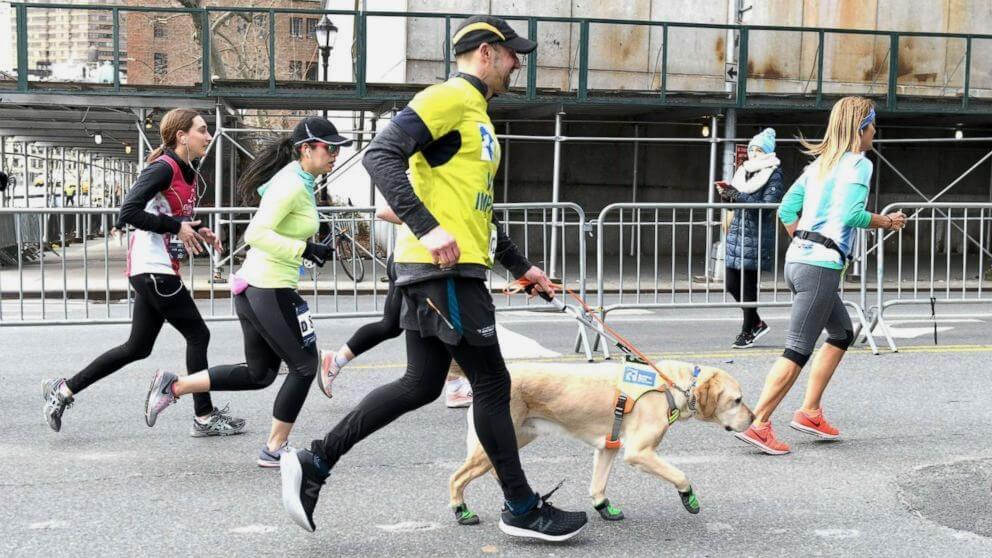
(728, 429)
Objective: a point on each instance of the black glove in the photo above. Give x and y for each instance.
(317, 253)
(729, 194)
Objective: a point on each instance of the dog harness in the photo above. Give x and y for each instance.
(635, 379)
(638, 375)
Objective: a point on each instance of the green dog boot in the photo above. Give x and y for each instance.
(689, 500)
(465, 516)
(608, 512)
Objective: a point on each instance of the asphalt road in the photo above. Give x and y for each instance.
(911, 476)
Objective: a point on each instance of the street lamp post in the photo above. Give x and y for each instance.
(325, 33)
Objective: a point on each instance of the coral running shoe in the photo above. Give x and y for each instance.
(763, 437)
(814, 425)
(329, 370)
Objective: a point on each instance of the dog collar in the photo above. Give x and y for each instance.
(690, 398)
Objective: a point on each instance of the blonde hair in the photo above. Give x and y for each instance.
(843, 134)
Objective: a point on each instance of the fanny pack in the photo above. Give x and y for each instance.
(823, 241)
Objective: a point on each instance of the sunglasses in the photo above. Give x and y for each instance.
(331, 149)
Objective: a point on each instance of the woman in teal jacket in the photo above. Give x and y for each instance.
(822, 211)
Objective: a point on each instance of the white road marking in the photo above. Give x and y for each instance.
(837, 533)
(410, 526)
(253, 529)
(99, 456)
(50, 524)
(909, 332)
(515, 345)
(543, 313)
(930, 321)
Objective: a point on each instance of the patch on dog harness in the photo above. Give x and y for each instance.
(637, 378)
(634, 379)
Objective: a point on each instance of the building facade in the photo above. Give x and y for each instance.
(70, 44)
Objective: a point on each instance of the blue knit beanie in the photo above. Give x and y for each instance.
(765, 140)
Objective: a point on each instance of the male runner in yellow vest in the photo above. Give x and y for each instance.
(448, 243)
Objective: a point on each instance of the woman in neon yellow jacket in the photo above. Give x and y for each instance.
(274, 318)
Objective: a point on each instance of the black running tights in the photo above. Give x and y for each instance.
(370, 335)
(157, 299)
(277, 328)
(428, 360)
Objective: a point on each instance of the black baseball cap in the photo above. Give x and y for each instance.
(314, 128)
(480, 29)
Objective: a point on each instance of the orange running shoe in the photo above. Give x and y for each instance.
(814, 424)
(763, 438)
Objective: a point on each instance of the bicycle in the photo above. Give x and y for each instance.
(350, 252)
(344, 250)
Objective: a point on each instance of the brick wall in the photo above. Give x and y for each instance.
(164, 48)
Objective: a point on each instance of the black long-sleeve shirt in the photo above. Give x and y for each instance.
(155, 178)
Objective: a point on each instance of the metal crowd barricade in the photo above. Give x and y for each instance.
(553, 237)
(80, 276)
(652, 256)
(942, 257)
(77, 278)
(530, 226)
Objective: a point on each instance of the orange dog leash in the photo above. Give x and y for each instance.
(589, 318)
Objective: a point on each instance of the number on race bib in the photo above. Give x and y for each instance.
(307, 331)
(177, 250)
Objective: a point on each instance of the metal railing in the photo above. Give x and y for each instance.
(743, 90)
(67, 266)
(653, 256)
(943, 256)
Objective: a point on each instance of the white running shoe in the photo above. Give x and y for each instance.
(457, 393)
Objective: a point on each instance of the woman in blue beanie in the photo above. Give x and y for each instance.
(751, 237)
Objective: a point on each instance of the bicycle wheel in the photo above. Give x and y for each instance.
(351, 263)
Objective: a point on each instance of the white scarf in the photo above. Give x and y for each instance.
(763, 167)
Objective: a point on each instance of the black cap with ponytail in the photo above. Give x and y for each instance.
(275, 155)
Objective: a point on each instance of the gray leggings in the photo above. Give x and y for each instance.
(816, 306)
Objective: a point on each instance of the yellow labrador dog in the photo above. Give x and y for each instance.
(581, 399)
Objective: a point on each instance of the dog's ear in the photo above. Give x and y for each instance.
(707, 395)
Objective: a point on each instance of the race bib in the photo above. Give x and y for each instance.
(492, 243)
(175, 246)
(307, 332)
(177, 250)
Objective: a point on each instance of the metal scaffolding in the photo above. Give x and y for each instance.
(55, 155)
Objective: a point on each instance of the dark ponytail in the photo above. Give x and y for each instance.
(274, 155)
